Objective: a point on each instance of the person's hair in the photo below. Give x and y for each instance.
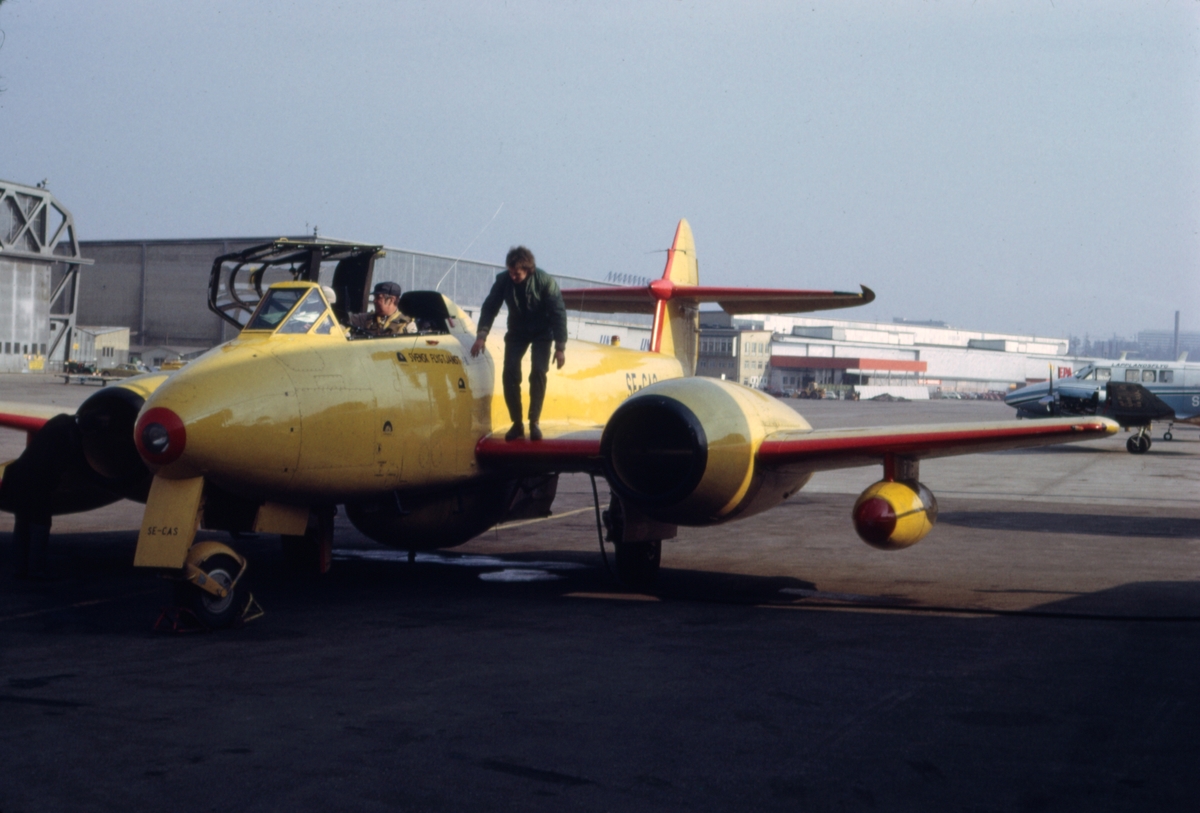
(520, 257)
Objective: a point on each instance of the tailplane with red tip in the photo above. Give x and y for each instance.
(675, 300)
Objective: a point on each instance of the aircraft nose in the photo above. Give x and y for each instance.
(233, 417)
(1020, 396)
(160, 436)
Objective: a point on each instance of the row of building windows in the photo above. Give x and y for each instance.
(22, 349)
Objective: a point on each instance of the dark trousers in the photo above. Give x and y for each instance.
(514, 351)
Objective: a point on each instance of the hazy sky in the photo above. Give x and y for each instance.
(1013, 166)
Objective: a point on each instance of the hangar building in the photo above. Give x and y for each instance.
(39, 272)
(159, 289)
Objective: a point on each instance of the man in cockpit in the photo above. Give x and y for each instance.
(387, 320)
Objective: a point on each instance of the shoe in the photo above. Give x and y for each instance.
(517, 431)
(535, 431)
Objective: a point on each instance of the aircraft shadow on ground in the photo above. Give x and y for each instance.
(80, 564)
(1086, 524)
(380, 584)
(1147, 601)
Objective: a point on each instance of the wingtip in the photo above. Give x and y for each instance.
(868, 295)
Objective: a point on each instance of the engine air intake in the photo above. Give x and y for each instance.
(655, 450)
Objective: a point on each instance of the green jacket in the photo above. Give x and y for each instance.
(535, 308)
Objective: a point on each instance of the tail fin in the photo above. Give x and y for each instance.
(677, 320)
(675, 301)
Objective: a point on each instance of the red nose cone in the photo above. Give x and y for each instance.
(875, 520)
(160, 436)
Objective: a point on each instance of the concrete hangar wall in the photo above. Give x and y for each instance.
(159, 290)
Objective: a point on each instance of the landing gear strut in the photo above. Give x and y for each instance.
(1139, 443)
(637, 559)
(313, 552)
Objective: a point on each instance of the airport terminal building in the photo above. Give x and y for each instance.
(902, 358)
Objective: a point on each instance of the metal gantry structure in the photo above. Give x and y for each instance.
(37, 230)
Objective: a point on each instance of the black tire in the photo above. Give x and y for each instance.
(310, 553)
(1168, 436)
(212, 611)
(637, 563)
(1138, 444)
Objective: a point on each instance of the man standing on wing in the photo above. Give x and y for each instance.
(536, 316)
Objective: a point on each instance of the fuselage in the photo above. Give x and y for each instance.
(278, 415)
(1177, 384)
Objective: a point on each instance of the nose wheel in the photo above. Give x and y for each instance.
(213, 609)
(1167, 435)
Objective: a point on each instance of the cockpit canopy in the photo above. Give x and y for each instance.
(298, 308)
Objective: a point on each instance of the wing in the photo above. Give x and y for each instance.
(827, 449)
(567, 448)
(732, 300)
(564, 447)
(28, 418)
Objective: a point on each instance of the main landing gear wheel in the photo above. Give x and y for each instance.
(213, 611)
(30, 543)
(313, 552)
(1138, 444)
(637, 563)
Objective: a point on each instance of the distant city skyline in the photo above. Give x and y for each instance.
(1026, 167)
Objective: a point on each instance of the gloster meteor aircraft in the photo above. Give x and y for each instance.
(275, 430)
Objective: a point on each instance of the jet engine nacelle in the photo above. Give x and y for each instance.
(894, 514)
(683, 451)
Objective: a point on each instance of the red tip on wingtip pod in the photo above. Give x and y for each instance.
(875, 520)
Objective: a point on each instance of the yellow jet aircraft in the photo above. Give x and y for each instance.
(274, 430)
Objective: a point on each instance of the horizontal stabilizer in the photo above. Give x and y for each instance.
(643, 299)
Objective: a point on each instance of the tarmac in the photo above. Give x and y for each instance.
(1038, 651)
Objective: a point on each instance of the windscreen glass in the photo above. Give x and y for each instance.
(1103, 373)
(274, 306)
(305, 315)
